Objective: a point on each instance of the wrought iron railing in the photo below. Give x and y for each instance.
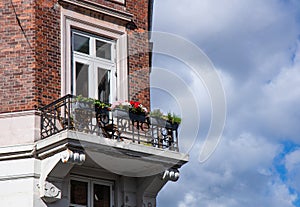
(67, 113)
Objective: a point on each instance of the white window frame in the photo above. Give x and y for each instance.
(91, 183)
(73, 20)
(95, 63)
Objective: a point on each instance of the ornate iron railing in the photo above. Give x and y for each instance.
(67, 113)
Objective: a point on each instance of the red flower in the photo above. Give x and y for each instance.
(136, 105)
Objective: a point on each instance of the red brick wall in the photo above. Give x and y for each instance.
(17, 62)
(30, 67)
(138, 60)
(139, 67)
(48, 67)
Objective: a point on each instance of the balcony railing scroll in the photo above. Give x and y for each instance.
(67, 113)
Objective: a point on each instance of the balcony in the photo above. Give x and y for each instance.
(67, 113)
(118, 141)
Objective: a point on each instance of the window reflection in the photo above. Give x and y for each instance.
(79, 192)
(82, 74)
(103, 85)
(103, 50)
(81, 44)
(101, 195)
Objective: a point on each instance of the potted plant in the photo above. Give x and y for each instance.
(157, 118)
(173, 121)
(133, 109)
(83, 102)
(101, 107)
(137, 112)
(102, 111)
(120, 109)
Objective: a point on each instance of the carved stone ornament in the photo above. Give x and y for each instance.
(52, 193)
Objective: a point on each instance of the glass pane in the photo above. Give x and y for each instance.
(81, 44)
(79, 193)
(103, 85)
(82, 75)
(103, 50)
(101, 195)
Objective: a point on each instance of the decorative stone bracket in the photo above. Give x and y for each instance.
(50, 192)
(58, 166)
(171, 174)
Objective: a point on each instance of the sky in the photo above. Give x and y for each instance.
(253, 46)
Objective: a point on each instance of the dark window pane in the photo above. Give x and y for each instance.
(79, 192)
(103, 50)
(101, 195)
(81, 44)
(82, 75)
(103, 85)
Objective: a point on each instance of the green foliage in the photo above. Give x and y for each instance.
(101, 105)
(170, 117)
(133, 106)
(96, 102)
(173, 118)
(156, 113)
(80, 98)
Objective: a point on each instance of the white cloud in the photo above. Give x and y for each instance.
(254, 45)
(189, 200)
(292, 165)
(292, 160)
(239, 36)
(281, 195)
(233, 176)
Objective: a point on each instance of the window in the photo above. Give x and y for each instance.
(79, 193)
(88, 59)
(90, 193)
(94, 66)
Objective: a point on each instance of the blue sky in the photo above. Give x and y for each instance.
(254, 47)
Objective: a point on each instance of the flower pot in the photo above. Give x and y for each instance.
(120, 113)
(100, 110)
(158, 121)
(82, 105)
(173, 126)
(137, 117)
(102, 114)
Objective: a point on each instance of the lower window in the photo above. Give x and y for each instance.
(90, 193)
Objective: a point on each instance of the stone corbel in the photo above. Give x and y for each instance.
(171, 174)
(148, 188)
(58, 166)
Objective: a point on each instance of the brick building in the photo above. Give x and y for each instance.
(53, 153)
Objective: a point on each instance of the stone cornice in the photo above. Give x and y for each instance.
(19, 113)
(121, 15)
